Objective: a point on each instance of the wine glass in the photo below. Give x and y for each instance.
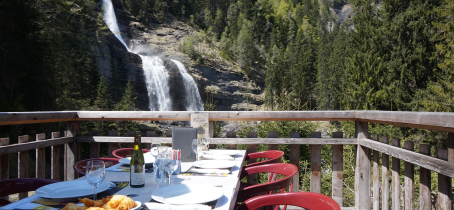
(206, 142)
(95, 173)
(171, 163)
(196, 147)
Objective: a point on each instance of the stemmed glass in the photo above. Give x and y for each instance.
(196, 147)
(95, 173)
(206, 142)
(171, 163)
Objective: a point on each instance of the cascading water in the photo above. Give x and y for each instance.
(193, 101)
(156, 76)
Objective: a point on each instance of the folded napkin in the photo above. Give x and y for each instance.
(208, 171)
(162, 206)
(217, 157)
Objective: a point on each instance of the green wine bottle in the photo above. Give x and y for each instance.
(137, 163)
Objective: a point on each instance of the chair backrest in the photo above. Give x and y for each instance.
(274, 183)
(12, 186)
(307, 200)
(80, 166)
(274, 156)
(125, 152)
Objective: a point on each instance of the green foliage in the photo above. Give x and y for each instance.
(129, 99)
(103, 101)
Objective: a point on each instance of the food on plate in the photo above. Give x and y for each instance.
(95, 208)
(73, 206)
(91, 203)
(120, 202)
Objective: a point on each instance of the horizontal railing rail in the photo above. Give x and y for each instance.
(13, 148)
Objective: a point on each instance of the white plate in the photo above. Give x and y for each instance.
(147, 158)
(223, 152)
(215, 164)
(187, 194)
(217, 157)
(71, 189)
(139, 205)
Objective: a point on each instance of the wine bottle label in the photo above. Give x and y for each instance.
(137, 175)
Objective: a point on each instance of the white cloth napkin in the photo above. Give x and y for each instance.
(162, 206)
(208, 171)
(217, 157)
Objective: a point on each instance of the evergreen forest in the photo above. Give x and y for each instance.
(393, 55)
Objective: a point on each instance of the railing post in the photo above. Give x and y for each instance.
(211, 132)
(316, 166)
(231, 134)
(362, 175)
(444, 185)
(425, 201)
(274, 135)
(22, 164)
(113, 146)
(395, 179)
(376, 177)
(251, 148)
(71, 150)
(40, 167)
(94, 146)
(55, 158)
(4, 160)
(409, 179)
(385, 176)
(4, 163)
(295, 160)
(338, 170)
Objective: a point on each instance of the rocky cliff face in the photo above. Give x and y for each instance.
(216, 79)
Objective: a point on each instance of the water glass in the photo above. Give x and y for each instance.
(160, 163)
(196, 147)
(95, 172)
(206, 142)
(171, 163)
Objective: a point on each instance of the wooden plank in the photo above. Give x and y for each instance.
(218, 115)
(444, 185)
(316, 166)
(150, 134)
(40, 166)
(33, 145)
(55, 158)
(295, 160)
(22, 164)
(94, 147)
(275, 135)
(362, 175)
(15, 118)
(231, 135)
(385, 176)
(233, 140)
(395, 195)
(4, 160)
(425, 201)
(251, 148)
(376, 178)
(431, 163)
(113, 146)
(409, 179)
(338, 170)
(71, 150)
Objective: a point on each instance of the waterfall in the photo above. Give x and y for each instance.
(193, 101)
(157, 80)
(156, 76)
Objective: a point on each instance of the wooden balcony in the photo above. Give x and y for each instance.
(369, 192)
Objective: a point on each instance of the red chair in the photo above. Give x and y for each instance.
(307, 200)
(274, 183)
(12, 186)
(125, 152)
(274, 156)
(80, 166)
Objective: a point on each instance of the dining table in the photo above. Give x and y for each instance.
(229, 183)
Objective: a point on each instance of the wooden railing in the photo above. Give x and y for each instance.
(369, 193)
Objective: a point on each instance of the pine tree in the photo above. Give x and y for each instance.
(245, 49)
(102, 101)
(129, 99)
